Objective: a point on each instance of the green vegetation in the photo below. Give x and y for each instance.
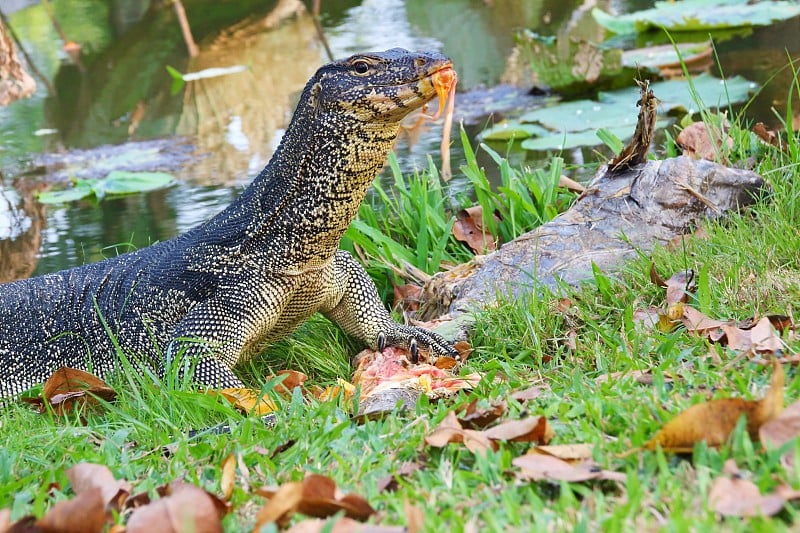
(749, 265)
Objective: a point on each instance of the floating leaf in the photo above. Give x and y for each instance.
(117, 183)
(697, 57)
(698, 15)
(713, 422)
(511, 129)
(80, 190)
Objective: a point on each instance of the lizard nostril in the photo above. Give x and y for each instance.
(419, 62)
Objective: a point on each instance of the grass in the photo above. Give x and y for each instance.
(749, 265)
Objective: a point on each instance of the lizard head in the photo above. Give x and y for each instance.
(375, 87)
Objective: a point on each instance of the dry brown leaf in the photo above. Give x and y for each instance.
(764, 338)
(342, 525)
(530, 393)
(292, 380)
(468, 228)
(476, 417)
(549, 468)
(570, 453)
(570, 184)
(696, 321)
(699, 142)
(770, 137)
(415, 518)
(731, 495)
(5, 520)
(450, 431)
(86, 513)
(248, 400)
(86, 476)
(186, 508)
(390, 482)
(316, 496)
(655, 277)
(530, 429)
(69, 388)
(654, 318)
(464, 349)
(407, 297)
(679, 286)
(782, 429)
(281, 506)
(737, 339)
(714, 421)
(228, 476)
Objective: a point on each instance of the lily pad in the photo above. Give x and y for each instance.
(571, 124)
(512, 129)
(116, 183)
(665, 58)
(567, 140)
(699, 15)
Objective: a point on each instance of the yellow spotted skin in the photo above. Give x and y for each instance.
(252, 274)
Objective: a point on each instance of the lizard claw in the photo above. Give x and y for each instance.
(414, 349)
(381, 341)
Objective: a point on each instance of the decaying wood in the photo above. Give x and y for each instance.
(628, 208)
(15, 82)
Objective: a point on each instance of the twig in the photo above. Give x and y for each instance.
(185, 28)
(314, 12)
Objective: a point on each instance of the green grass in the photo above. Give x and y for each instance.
(749, 265)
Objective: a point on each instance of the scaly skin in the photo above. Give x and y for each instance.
(251, 275)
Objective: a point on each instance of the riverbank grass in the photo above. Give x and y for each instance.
(586, 361)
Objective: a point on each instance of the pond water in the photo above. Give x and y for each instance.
(117, 90)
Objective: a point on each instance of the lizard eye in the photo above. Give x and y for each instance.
(361, 67)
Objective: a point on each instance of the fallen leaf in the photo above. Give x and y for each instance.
(714, 421)
(570, 453)
(340, 525)
(570, 184)
(782, 429)
(655, 277)
(770, 137)
(549, 468)
(415, 518)
(316, 496)
(68, 388)
(468, 228)
(450, 431)
(476, 416)
(390, 482)
(764, 338)
(86, 513)
(530, 393)
(407, 297)
(281, 506)
(696, 321)
(186, 508)
(737, 339)
(86, 476)
(228, 476)
(699, 142)
(248, 400)
(731, 495)
(680, 286)
(530, 429)
(292, 380)
(654, 318)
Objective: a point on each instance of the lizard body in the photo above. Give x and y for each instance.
(221, 292)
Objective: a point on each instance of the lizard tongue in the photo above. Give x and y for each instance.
(444, 82)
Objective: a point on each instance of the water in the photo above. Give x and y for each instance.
(119, 91)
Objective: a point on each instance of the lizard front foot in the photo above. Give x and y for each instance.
(413, 338)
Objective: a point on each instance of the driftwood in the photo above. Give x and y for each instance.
(629, 207)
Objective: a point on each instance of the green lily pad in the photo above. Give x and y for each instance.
(116, 183)
(512, 129)
(699, 15)
(656, 57)
(566, 140)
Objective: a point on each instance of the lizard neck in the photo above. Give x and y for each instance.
(309, 193)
